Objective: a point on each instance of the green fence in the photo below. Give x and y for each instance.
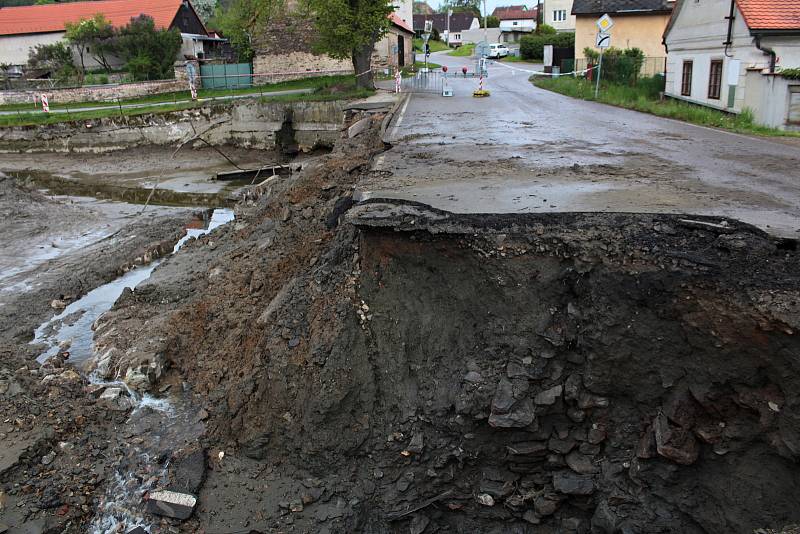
(226, 76)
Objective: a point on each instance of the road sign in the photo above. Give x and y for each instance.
(603, 40)
(428, 26)
(605, 23)
(482, 49)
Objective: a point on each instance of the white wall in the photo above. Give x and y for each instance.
(518, 24)
(14, 49)
(476, 35)
(697, 35)
(405, 8)
(550, 6)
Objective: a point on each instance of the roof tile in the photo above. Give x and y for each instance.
(771, 14)
(53, 17)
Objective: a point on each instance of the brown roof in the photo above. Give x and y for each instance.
(500, 11)
(53, 17)
(517, 14)
(771, 14)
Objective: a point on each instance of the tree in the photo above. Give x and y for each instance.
(243, 19)
(149, 54)
(205, 9)
(350, 29)
(55, 57)
(491, 21)
(101, 36)
(461, 6)
(78, 35)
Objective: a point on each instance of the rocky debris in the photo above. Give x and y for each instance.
(572, 484)
(675, 443)
(549, 396)
(171, 504)
(511, 407)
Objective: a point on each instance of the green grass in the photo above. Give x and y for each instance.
(463, 51)
(318, 83)
(436, 46)
(334, 88)
(645, 98)
(512, 59)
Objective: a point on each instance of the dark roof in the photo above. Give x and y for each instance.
(458, 22)
(620, 7)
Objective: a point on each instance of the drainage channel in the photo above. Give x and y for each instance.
(168, 423)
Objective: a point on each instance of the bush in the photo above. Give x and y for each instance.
(149, 54)
(546, 29)
(55, 58)
(620, 66)
(532, 46)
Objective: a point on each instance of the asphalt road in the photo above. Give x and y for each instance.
(525, 149)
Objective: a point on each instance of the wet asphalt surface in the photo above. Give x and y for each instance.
(529, 150)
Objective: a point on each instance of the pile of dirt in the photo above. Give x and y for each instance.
(404, 368)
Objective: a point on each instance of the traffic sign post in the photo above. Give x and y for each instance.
(604, 24)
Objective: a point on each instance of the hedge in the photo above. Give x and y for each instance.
(532, 46)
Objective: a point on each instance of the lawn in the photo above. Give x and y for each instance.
(332, 88)
(436, 46)
(318, 83)
(463, 51)
(645, 97)
(513, 59)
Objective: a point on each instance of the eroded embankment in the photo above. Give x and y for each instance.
(404, 368)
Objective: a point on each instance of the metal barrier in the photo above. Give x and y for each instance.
(424, 82)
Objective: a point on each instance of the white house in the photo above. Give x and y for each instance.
(519, 20)
(558, 14)
(449, 27)
(22, 28)
(728, 54)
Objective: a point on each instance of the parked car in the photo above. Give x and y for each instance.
(497, 50)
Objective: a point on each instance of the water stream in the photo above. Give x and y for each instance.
(167, 423)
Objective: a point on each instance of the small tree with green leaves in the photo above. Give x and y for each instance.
(350, 29)
(149, 53)
(79, 35)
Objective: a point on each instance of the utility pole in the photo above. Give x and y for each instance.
(449, 14)
(485, 27)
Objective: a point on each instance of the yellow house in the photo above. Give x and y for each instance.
(637, 24)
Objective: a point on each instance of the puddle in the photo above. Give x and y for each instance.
(166, 423)
(98, 301)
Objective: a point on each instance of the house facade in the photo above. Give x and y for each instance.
(450, 28)
(637, 24)
(396, 49)
(518, 21)
(558, 14)
(727, 54)
(23, 28)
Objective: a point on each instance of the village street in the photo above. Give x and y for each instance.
(527, 150)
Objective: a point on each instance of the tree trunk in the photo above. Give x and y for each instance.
(362, 63)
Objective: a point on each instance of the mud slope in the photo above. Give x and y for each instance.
(411, 370)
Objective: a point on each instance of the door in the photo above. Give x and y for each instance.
(401, 51)
(794, 104)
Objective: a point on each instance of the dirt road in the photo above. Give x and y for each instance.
(527, 150)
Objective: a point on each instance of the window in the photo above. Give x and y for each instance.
(559, 15)
(715, 79)
(515, 23)
(686, 81)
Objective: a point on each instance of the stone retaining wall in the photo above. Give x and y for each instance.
(296, 65)
(250, 124)
(103, 93)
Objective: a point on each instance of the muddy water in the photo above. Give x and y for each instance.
(166, 423)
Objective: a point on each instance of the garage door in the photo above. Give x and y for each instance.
(794, 104)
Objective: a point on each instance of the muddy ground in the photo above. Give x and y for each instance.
(389, 367)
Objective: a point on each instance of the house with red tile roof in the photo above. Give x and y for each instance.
(23, 28)
(729, 54)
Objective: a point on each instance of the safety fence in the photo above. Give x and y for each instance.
(622, 69)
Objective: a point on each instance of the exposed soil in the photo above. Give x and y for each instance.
(57, 442)
(407, 369)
